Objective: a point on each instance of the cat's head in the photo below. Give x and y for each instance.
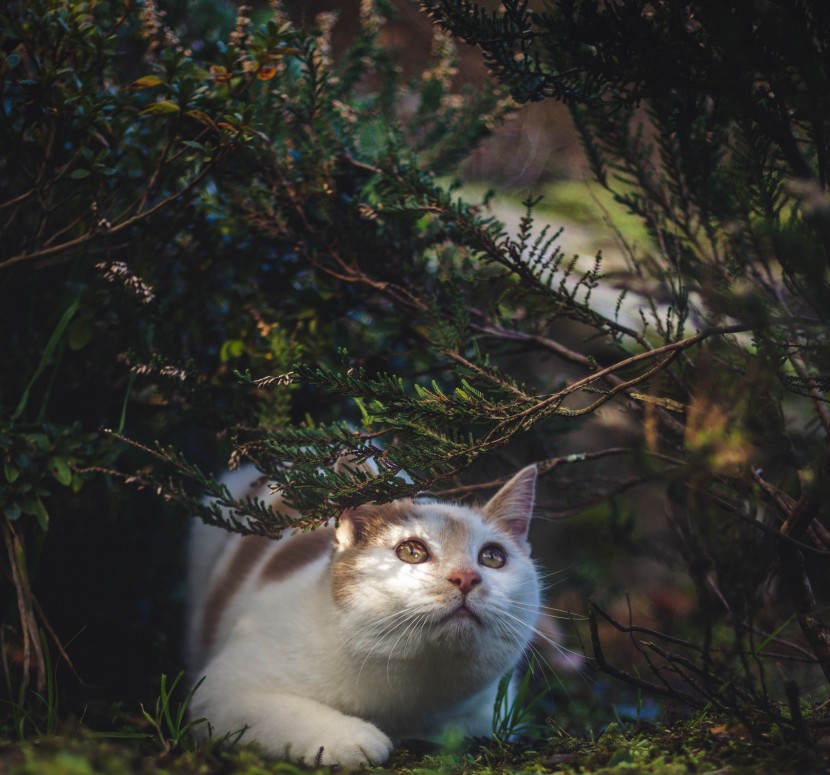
(415, 577)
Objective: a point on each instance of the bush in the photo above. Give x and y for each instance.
(182, 201)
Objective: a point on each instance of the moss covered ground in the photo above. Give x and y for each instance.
(705, 744)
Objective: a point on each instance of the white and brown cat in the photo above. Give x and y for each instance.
(330, 645)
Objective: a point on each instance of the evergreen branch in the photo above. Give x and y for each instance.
(543, 467)
(487, 239)
(491, 377)
(572, 356)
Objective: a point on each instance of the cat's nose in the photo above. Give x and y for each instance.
(465, 580)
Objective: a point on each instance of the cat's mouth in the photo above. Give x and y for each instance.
(462, 613)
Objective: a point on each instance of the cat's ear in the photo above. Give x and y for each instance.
(351, 465)
(352, 527)
(354, 523)
(512, 506)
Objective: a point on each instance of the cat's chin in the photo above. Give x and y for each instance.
(459, 637)
(460, 630)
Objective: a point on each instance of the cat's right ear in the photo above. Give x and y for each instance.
(351, 528)
(351, 465)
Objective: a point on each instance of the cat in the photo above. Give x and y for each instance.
(331, 644)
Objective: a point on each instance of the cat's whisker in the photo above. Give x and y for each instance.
(559, 647)
(400, 619)
(561, 613)
(545, 586)
(368, 656)
(417, 624)
(404, 618)
(409, 624)
(543, 663)
(424, 623)
(535, 650)
(409, 628)
(548, 573)
(537, 653)
(513, 634)
(380, 626)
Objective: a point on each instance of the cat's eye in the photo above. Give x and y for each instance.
(492, 556)
(412, 551)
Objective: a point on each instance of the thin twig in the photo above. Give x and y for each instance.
(95, 233)
(543, 467)
(640, 683)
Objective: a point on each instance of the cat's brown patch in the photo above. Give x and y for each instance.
(361, 527)
(297, 552)
(248, 551)
(343, 575)
(364, 525)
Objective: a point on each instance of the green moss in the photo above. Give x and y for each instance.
(705, 744)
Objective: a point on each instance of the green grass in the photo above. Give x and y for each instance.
(162, 740)
(517, 716)
(705, 744)
(170, 723)
(585, 210)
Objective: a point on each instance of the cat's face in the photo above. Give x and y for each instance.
(413, 578)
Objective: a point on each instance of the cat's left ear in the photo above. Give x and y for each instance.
(512, 505)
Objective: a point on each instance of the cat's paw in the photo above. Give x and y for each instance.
(350, 743)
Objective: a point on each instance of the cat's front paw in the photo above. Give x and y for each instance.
(349, 743)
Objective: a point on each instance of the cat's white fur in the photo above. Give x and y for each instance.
(329, 647)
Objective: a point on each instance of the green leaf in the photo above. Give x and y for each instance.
(41, 514)
(67, 316)
(620, 756)
(12, 512)
(233, 348)
(40, 440)
(202, 118)
(163, 107)
(11, 472)
(145, 82)
(28, 506)
(80, 332)
(59, 468)
(79, 174)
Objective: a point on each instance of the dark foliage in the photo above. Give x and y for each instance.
(710, 122)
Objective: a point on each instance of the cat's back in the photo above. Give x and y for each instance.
(228, 572)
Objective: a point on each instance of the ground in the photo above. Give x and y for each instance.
(705, 744)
